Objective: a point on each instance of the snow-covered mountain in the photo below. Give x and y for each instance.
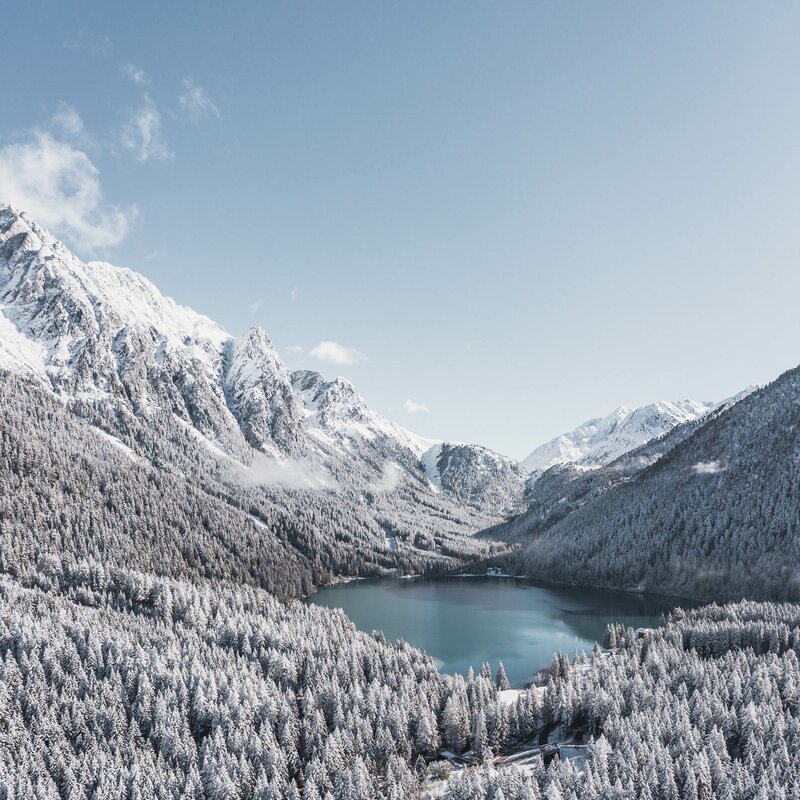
(105, 340)
(602, 440)
(476, 475)
(95, 333)
(336, 414)
(707, 511)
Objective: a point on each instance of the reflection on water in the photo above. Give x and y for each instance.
(463, 621)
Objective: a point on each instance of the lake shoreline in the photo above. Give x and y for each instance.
(466, 619)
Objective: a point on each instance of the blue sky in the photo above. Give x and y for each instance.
(514, 215)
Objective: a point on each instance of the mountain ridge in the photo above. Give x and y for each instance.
(601, 440)
(104, 336)
(709, 511)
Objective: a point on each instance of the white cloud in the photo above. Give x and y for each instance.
(708, 468)
(390, 478)
(295, 349)
(254, 307)
(60, 187)
(195, 101)
(68, 121)
(142, 133)
(416, 408)
(335, 353)
(136, 74)
(291, 473)
(294, 293)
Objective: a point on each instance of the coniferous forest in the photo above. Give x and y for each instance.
(709, 511)
(117, 684)
(135, 666)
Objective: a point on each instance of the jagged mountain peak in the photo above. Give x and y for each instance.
(478, 475)
(337, 398)
(335, 410)
(260, 394)
(255, 355)
(311, 380)
(599, 441)
(104, 335)
(21, 233)
(256, 337)
(67, 296)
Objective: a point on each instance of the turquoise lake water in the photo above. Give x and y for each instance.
(463, 621)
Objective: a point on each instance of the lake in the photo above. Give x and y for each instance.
(463, 621)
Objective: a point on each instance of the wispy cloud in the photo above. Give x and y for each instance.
(707, 468)
(294, 293)
(136, 74)
(58, 184)
(295, 349)
(254, 307)
(196, 102)
(142, 133)
(291, 474)
(391, 476)
(335, 353)
(68, 122)
(416, 408)
(98, 45)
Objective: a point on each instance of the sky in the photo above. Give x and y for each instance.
(497, 219)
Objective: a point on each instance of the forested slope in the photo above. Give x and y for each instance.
(706, 707)
(116, 684)
(715, 517)
(162, 502)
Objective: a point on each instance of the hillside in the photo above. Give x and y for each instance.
(600, 441)
(714, 517)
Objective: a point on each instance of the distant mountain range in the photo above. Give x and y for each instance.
(104, 338)
(599, 441)
(221, 462)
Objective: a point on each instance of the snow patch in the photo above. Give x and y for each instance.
(509, 696)
(119, 445)
(430, 463)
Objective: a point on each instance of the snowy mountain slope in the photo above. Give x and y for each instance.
(260, 394)
(337, 415)
(476, 475)
(102, 335)
(600, 441)
(558, 491)
(155, 495)
(714, 515)
(335, 412)
(106, 341)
